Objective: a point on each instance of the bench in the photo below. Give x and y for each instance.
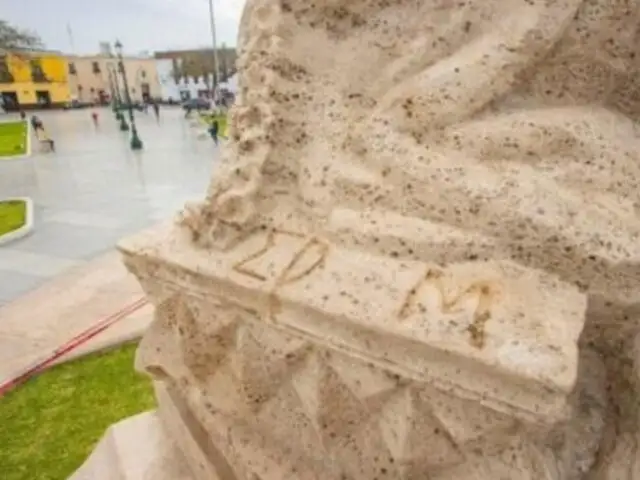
(46, 144)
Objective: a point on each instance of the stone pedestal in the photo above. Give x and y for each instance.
(289, 357)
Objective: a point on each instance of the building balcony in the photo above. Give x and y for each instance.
(39, 77)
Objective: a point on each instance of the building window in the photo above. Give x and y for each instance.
(92, 90)
(143, 74)
(37, 74)
(72, 69)
(95, 66)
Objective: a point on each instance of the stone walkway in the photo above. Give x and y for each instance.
(94, 190)
(66, 277)
(44, 319)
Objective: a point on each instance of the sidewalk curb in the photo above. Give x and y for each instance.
(83, 351)
(79, 345)
(100, 347)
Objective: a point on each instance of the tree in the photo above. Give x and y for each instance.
(15, 38)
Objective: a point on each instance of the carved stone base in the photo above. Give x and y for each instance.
(291, 358)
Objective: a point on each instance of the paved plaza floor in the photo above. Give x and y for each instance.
(94, 190)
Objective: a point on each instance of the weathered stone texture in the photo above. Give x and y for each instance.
(419, 257)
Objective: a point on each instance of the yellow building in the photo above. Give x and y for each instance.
(34, 80)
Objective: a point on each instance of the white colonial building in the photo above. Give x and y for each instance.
(188, 87)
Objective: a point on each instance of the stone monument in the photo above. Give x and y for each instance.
(419, 255)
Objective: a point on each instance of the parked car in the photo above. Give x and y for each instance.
(197, 104)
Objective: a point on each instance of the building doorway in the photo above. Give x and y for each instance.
(10, 101)
(43, 98)
(146, 92)
(103, 97)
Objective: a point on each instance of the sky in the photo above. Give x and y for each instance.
(141, 25)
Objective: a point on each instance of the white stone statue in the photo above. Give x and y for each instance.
(419, 257)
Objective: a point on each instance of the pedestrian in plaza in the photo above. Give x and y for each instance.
(213, 130)
(94, 117)
(156, 110)
(23, 116)
(37, 125)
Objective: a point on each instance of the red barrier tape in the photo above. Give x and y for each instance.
(83, 337)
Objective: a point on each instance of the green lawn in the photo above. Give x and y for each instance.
(51, 424)
(13, 139)
(13, 215)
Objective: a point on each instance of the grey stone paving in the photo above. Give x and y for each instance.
(94, 190)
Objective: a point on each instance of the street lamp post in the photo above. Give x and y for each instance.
(112, 90)
(214, 44)
(124, 127)
(136, 143)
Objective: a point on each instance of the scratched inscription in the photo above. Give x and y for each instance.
(484, 291)
(310, 256)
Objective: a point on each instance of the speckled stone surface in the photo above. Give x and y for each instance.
(419, 257)
(137, 448)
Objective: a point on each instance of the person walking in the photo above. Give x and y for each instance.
(37, 125)
(94, 117)
(156, 110)
(213, 130)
